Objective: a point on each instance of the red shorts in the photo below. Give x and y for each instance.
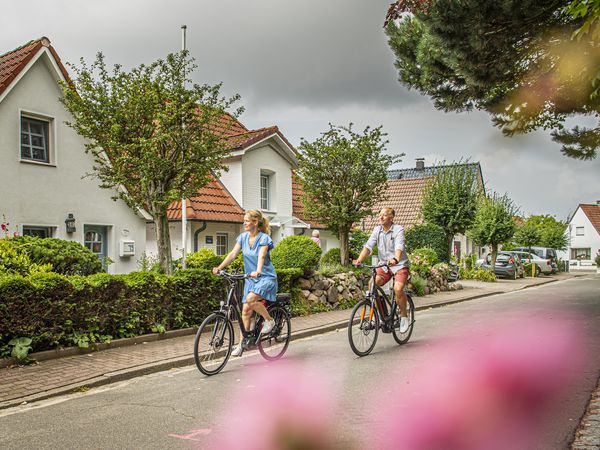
(400, 277)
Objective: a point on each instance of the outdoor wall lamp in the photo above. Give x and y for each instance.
(70, 222)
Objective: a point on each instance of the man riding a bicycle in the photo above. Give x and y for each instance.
(389, 239)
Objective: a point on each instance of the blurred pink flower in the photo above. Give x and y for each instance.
(285, 406)
(484, 393)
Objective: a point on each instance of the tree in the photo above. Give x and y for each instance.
(528, 235)
(494, 222)
(551, 232)
(515, 59)
(343, 174)
(450, 199)
(153, 139)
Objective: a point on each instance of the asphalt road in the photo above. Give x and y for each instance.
(181, 408)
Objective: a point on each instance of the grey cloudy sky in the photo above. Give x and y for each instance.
(301, 65)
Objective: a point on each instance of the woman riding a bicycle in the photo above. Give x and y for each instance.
(255, 244)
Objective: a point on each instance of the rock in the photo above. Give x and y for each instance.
(319, 286)
(318, 292)
(332, 295)
(305, 293)
(323, 299)
(340, 288)
(312, 298)
(303, 283)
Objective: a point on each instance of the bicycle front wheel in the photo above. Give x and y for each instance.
(213, 344)
(363, 328)
(274, 345)
(402, 338)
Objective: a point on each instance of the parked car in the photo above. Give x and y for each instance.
(507, 265)
(542, 265)
(542, 252)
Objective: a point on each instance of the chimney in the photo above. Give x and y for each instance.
(420, 163)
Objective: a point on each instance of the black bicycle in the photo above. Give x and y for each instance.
(377, 312)
(214, 339)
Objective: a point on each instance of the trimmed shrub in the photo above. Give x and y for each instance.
(331, 258)
(204, 258)
(14, 261)
(66, 257)
(428, 235)
(296, 252)
(478, 273)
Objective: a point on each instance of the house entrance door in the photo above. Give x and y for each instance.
(95, 238)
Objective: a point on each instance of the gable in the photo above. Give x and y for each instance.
(16, 63)
(592, 213)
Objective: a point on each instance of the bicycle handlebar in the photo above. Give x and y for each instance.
(367, 266)
(233, 276)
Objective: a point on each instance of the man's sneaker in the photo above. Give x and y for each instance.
(237, 350)
(404, 324)
(267, 326)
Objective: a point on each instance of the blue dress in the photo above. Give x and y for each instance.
(266, 284)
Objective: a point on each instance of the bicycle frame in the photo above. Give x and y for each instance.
(379, 299)
(232, 306)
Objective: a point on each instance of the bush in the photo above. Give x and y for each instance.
(66, 257)
(15, 261)
(418, 285)
(332, 258)
(428, 235)
(296, 252)
(597, 260)
(204, 258)
(478, 273)
(357, 241)
(422, 260)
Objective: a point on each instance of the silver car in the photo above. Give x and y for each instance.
(542, 265)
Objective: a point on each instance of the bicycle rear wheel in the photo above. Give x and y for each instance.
(213, 344)
(402, 338)
(363, 328)
(274, 345)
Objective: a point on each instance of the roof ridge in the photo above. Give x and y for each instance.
(25, 45)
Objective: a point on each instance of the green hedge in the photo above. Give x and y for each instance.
(56, 310)
(428, 235)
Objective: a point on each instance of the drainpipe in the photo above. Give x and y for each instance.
(197, 233)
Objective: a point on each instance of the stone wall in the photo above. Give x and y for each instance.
(331, 290)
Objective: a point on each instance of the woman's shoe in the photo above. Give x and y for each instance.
(237, 350)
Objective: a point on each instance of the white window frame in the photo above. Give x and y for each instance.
(219, 246)
(48, 229)
(50, 125)
(579, 231)
(264, 191)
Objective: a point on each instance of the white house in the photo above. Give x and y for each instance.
(42, 162)
(584, 236)
(261, 164)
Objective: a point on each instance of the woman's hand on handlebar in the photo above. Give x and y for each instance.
(255, 274)
(216, 270)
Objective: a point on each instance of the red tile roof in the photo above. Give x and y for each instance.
(213, 203)
(405, 196)
(249, 137)
(298, 207)
(13, 62)
(593, 213)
